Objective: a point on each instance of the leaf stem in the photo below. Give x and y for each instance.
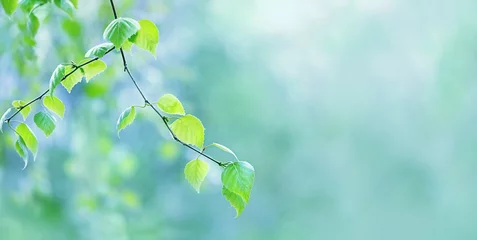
(48, 90)
(137, 106)
(10, 125)
(146, 102)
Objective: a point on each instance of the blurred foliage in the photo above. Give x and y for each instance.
(358, 116)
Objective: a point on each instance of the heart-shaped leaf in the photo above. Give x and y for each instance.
(119, 30)
(147, 37)
(99, 50)
(238, 178)
(171, 105)
(190, 130)
(55, 105)
(45, 122)
(195, 172)
(126, 118)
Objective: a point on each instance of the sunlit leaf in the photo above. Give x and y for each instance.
(93, 69)
(119, 30)
(99, 50)
(45, 122)
(75, 3)
(29, 137)
(28, 5)
(127, 46)
(73, 77)
(235, 200)
(238, 178)
(22, 150)
(223, 148)
(126, 118)
(55, 105)
(3, 118)
(195, 172)
(170, 104)
(190, 130)
(25, 111)
(56, 78)
(147, 37)
(9, 6)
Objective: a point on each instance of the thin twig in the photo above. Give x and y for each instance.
(48, 90)
(146, 101)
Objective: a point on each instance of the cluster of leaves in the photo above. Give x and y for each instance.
(237, 176)
(122, 33)
(28, 6)
(24, 13)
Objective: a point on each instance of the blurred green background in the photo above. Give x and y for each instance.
(358, 116)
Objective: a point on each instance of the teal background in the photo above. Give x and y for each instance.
(358, 116)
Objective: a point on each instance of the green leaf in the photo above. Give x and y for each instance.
(25, 111)
(72, 27)
(75, 3)
(171, 105)
(22, 150)
(99, 50)
(147, 37)
(28, 5)
(45, 122)
(29, 137)
(56, 77)
(119, 30)
(66, 6)
(189, 129)
(235, 200)
(126, 118)
(3, 118)
(127, 46)
(74, 76)
(30, 41)
(238, 178)
(55, 105)
(9, 6)
(93, 69)
(223, 148)
(33, 24)
(195, 172)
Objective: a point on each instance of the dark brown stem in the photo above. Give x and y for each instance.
(146, 101)
(48, 90)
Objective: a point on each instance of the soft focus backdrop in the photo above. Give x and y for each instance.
(358, 115)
